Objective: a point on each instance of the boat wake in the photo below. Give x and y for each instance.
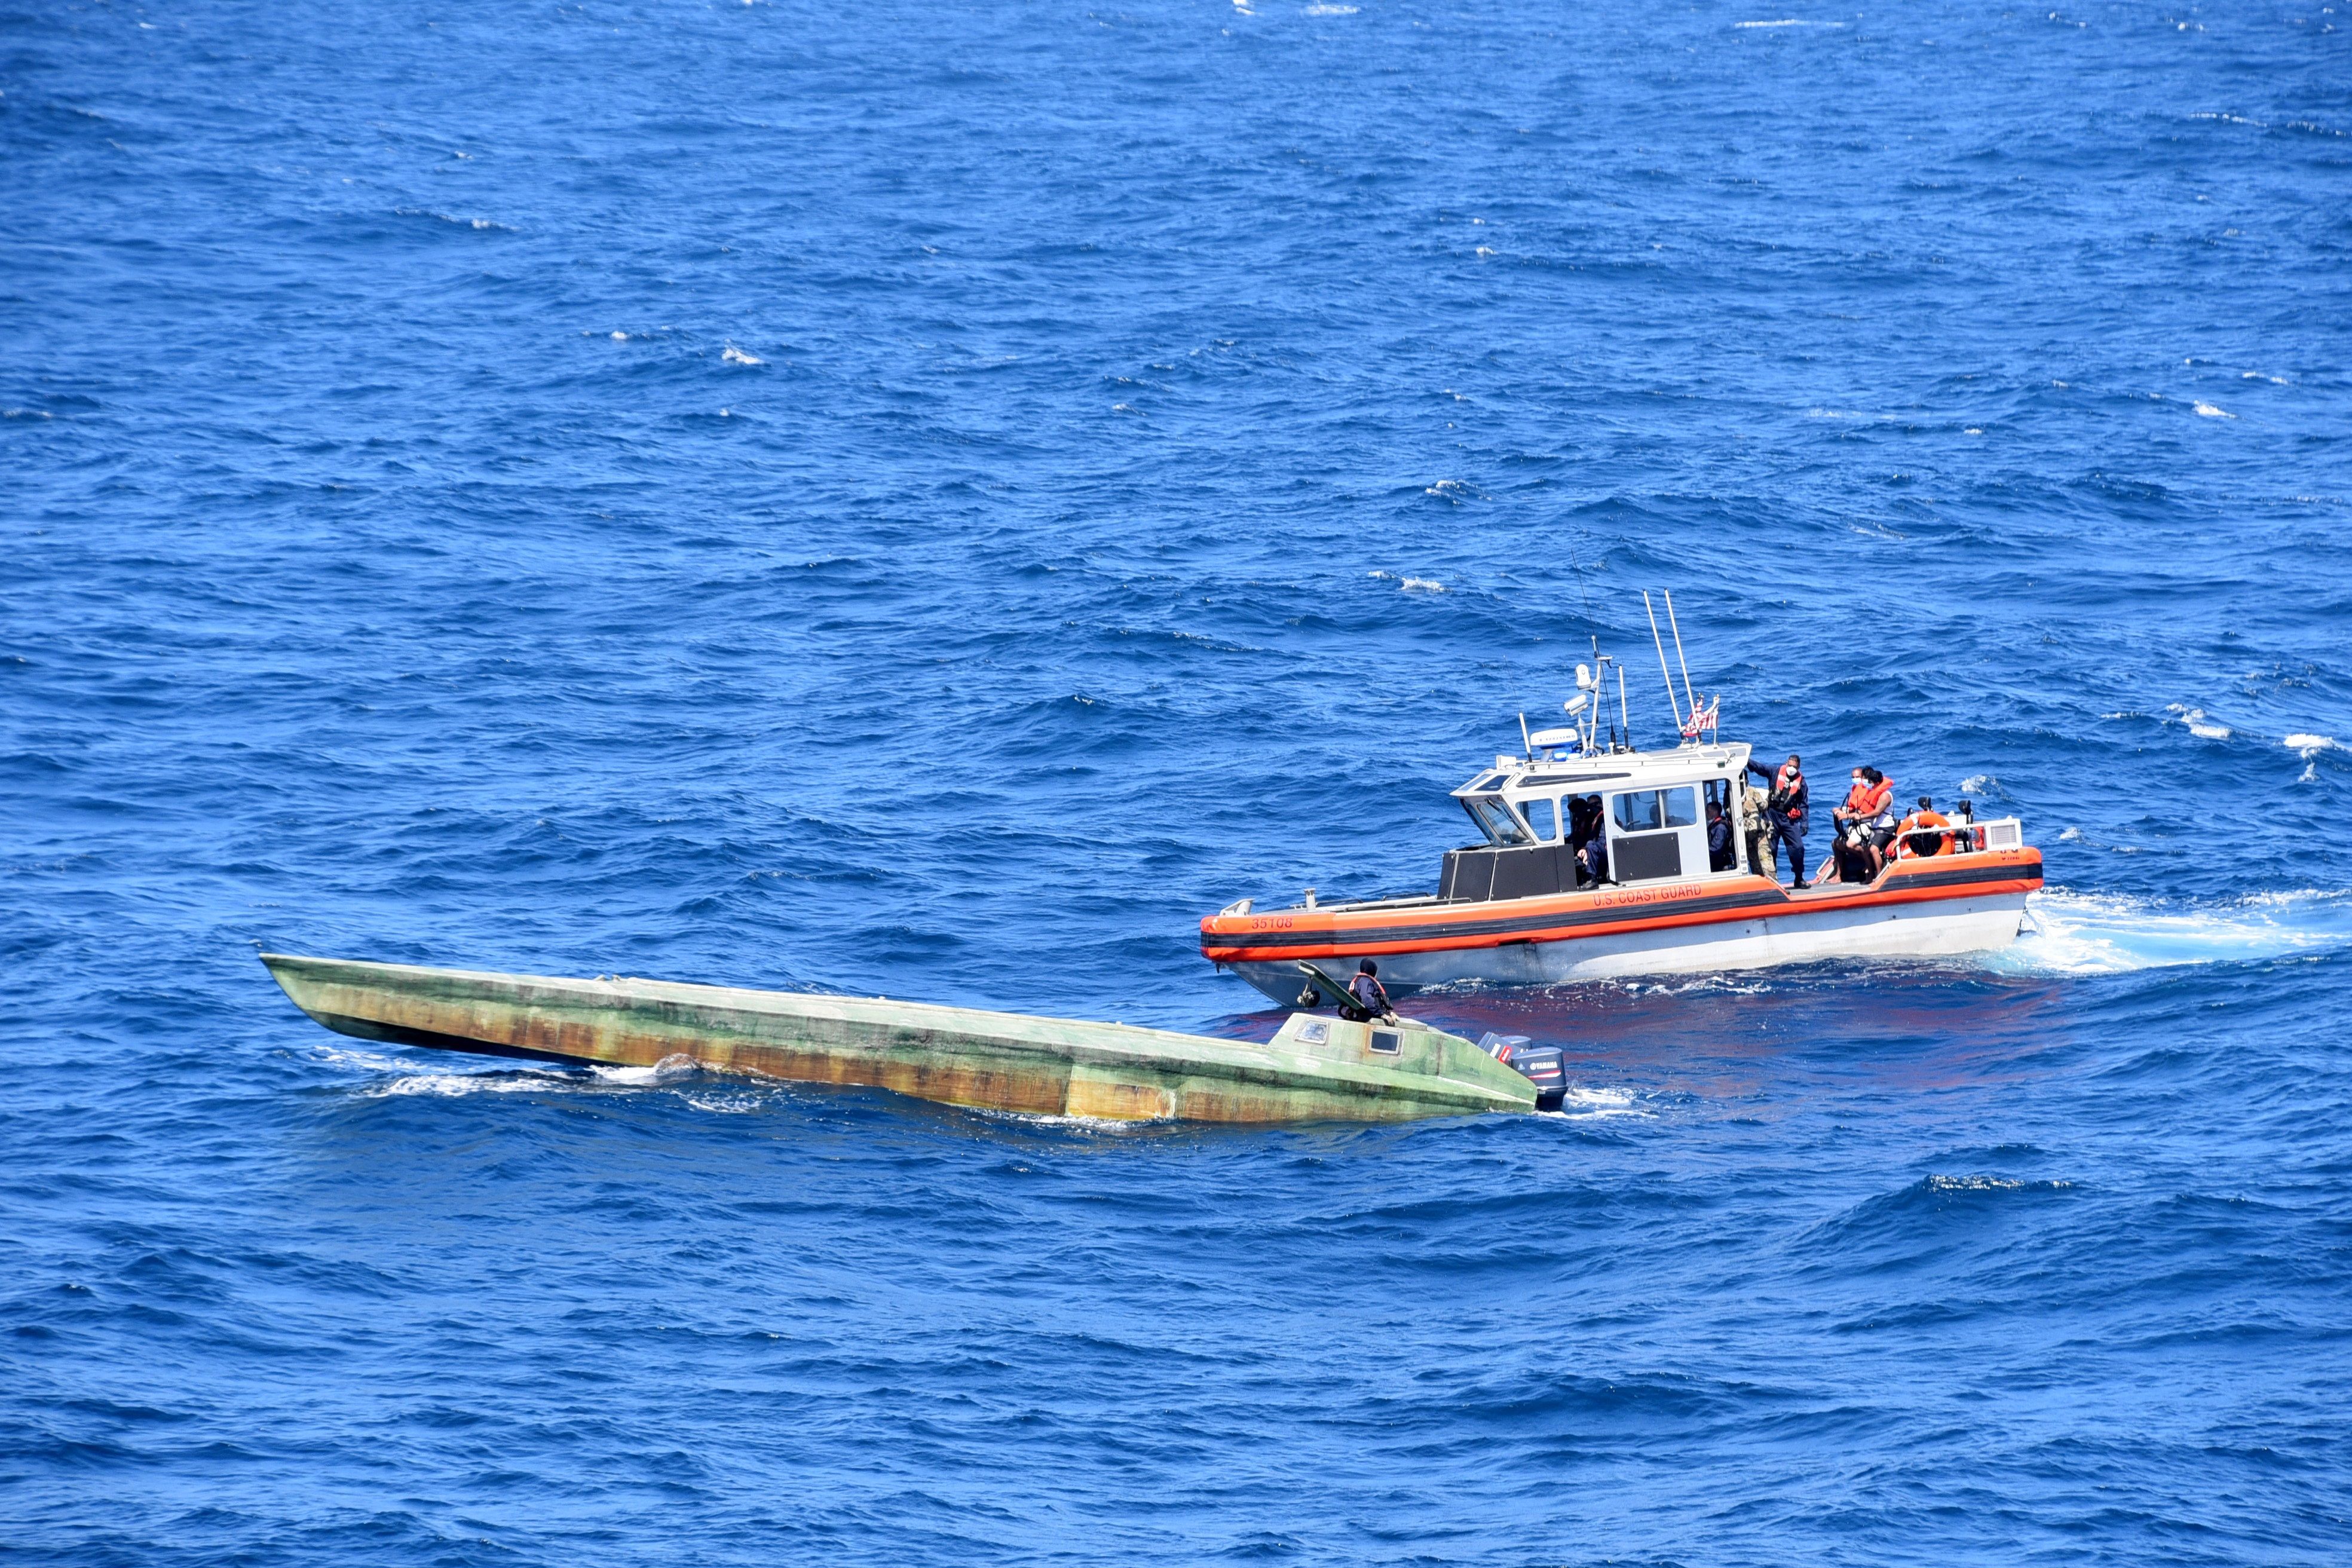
(2109, 933)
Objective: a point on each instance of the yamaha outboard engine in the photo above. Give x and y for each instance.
(1539, 1064)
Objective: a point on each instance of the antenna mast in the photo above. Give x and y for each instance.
(1600, 696)
(1692, 701)
(1660, 644)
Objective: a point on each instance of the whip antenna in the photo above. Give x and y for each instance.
(1660, 644)
(1678, 651)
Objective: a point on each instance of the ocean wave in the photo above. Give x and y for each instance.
(2310, 748)
(482, 224)
(2196, 722)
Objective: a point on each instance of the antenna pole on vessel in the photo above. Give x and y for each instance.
(1628, 723)
(1600, 697)
(1660, 644)
(1687, 697)
(1530, 751)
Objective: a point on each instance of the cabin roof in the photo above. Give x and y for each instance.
(1604, 771)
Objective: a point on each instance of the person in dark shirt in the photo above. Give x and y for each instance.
(1719, 853)
(1372, 997)
(1586, 840)
(1784, 814)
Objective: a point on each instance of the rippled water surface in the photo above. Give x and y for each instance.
(931, 500)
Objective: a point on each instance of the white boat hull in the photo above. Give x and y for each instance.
(1939, 929)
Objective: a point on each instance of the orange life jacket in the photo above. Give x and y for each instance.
(1856, 795)
(1878, 797)
(1913, 823)
(1783, 798)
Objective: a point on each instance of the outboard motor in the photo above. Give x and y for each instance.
(1539, 1064)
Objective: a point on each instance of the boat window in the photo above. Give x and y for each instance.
(1726, 855)
(1385, 1040)
(1544, 818)
(1495, 819)
(1636, 811)
(1490, 782)
(1682, 806)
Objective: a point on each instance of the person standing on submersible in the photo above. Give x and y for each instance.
(1371, 996)
(1784, 814)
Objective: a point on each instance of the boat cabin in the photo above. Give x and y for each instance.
(1636, 817)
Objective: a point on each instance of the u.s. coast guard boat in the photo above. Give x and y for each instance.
(1595, 859)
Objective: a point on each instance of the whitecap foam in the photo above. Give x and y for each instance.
(669, 1070)
(397, 1076)
(474, 222)
(2206, 410)
(1982, 1184)
(1422, 585)
(2309, 747)
(2112, 933)
(452, 1084)
(2198, 724)
(730, 354)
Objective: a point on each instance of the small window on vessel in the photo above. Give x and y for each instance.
(1682, 806)
(1496, 819)
(1636, 811)
(1384, 1040)
(1542, 816)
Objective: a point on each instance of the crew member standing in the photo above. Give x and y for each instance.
(1784, 813)
(1371, 996)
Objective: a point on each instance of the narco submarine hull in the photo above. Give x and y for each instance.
(1313, 1070)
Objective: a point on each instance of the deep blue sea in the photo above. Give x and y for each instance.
(931, 500)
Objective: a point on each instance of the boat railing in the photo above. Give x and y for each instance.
(1971, 836)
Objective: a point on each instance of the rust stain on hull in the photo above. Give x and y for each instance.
(1312, 1070)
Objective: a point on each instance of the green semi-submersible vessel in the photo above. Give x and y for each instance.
(1314, 1068)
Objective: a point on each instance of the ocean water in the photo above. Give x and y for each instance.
(929, 500)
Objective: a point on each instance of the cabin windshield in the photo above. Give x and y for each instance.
(1494, 819)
